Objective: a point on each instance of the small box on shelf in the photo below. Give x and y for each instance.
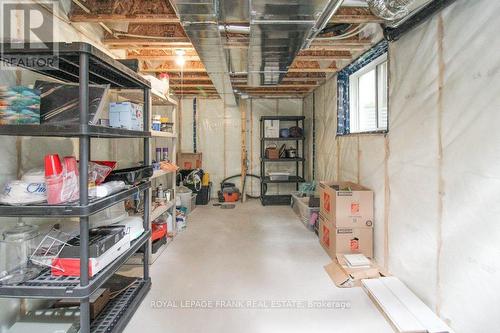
(126, 115)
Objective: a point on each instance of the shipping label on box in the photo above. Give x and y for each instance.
(346, 204)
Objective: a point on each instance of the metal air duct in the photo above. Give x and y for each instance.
(200, 21)
(278, 30)
(390, 10)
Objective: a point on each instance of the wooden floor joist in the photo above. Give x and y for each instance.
(313, 70)
(355, 15)
(158, 20)
(164, 42)
(114, 18)
(173, 70)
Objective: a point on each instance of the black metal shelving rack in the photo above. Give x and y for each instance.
(281, 199)
(84, 64)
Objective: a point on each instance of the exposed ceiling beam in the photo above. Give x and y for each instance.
(355, 15)
(299, 85)
(114, 18)
(316, 57)
(190, 85)
(312, 70)
(163, 58)
(164, 42)
(343, 42)
(164, 47)
(173, 70)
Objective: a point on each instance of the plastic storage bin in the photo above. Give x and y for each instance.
(300, 206)
(193, 203)
(279, 176)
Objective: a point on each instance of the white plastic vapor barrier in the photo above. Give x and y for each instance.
(218, 137)
(372, 175)
(326, 127)
(435, 174)
(349, 157)
(470, 265)
(269, 107)
(413, 162)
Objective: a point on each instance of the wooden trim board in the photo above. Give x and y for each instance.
(406, 312)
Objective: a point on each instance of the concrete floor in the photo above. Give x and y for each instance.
(251, 253)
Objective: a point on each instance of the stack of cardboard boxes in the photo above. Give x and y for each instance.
(346, 218)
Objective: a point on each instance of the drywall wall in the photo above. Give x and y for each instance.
(435, 173)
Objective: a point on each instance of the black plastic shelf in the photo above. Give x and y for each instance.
(47, 286)
(276, 200)
(102, 68)
(48, 130)
(118, 312)
(283, 118)
(298, 159)
(94, 206)
(300, 138)
(291, 180)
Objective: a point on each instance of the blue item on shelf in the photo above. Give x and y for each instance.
(19, 105)
(284, 133)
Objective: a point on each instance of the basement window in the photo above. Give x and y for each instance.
(368, 97)
(362, 90)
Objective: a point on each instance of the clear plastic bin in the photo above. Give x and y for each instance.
(279, 176)
(300, 206)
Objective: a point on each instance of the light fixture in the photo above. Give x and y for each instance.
(180, 60)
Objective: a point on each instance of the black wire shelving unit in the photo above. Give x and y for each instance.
(84, 64)
(299, 162)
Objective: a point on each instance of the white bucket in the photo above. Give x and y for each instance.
(185, 195)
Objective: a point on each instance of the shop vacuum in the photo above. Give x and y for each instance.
(228, 193)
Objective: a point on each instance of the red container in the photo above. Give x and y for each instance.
(71, 164)
(159, 231)
(53, 166)
(54, 179)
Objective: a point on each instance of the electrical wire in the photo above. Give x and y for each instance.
(348, 34)
(115, 294)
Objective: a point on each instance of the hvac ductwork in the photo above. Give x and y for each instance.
(278, 30)
(235, 29)
(200, 21)
(390, 10)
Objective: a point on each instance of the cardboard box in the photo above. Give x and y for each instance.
(346, 204)
(345, 240)
(126, 115)
(346, 277)
(98, 302)
(271, 128)
(188, 161)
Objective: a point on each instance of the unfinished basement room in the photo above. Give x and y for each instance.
(249, 166)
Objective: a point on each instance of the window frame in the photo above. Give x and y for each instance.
(354, 96)
(343, 119)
